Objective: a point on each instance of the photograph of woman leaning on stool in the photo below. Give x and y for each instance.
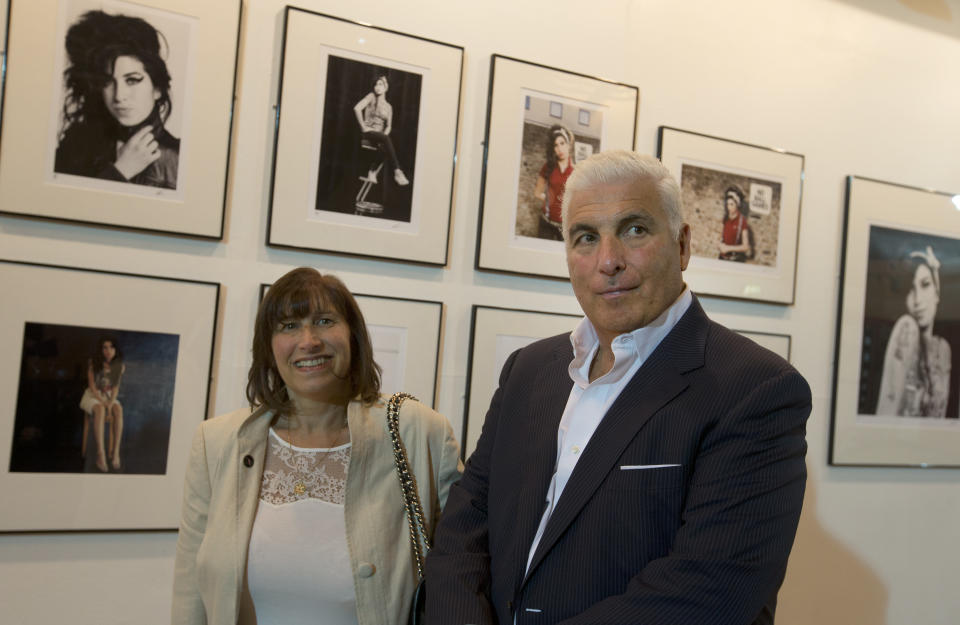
(375, 116)
(368, 143)
(292, 509)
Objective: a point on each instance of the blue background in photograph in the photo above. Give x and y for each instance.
(48, 424)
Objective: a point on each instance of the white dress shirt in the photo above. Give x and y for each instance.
(589, 401)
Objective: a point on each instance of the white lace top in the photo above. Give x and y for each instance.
(298, 565)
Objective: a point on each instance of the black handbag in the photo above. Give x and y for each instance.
(419, 543)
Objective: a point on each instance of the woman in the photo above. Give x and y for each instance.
(295, 510)
(117, 102)
(375, 116)
(737, 239)
(916, 365)
(99, 402)
(553, 175)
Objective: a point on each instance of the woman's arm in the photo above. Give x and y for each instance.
(137, 153)
(900, 355)
(358, 111)
(187, 605)
(540, 191)
(388, 123)
(116, 387)
(92, 380)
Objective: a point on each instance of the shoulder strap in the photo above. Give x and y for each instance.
(408, 484)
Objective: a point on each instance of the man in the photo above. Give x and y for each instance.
(652, 473)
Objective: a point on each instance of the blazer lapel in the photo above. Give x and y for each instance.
(657, 382)
(551, 387)
(251, 441)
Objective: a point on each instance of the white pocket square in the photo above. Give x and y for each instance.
(637, 467)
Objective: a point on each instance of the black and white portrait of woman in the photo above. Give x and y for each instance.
(910, 326)
(120, 91)
(368, 148)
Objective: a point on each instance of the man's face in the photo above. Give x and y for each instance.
(625, 262)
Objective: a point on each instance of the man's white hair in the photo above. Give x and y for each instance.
(624, 167)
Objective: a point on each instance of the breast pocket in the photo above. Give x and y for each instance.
(641, 478)
(648, 508)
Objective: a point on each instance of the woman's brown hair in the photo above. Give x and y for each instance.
(295, 295)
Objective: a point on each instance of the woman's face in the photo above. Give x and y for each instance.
(922, 300)
(108, 350)
(380, 87)
(312, 355)
(733, 206)
(561, 148)
(129, 94)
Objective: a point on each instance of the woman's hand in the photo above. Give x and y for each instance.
(137, 153)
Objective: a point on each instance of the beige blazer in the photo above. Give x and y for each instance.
(221, 495)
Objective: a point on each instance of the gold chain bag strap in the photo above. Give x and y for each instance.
(411, 503)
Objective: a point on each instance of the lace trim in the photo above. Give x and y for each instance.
(322, 472)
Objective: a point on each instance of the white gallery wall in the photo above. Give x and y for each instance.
(857, 87)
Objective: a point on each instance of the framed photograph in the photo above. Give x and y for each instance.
(896, 395)
(742, 203)
(105, 376)
(365, 143)
(406, 336)
(540, 122)
(495, 333)
(779, 344)
(138, 140)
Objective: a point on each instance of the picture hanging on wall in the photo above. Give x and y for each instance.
(779, 344)
(365, 143)
(495, 333)
(106, 376)
(742, 203)
(4, 10)
(896, 395)
(119, 113)
(406, 336)
(540, 122)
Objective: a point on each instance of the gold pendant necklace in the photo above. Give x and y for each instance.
(299, 486)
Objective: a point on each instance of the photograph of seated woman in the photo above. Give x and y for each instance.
(553, 175)
(375, 116)
(292, 510)
(100, 405)
(737, 243)
(916, 365)
(117, 102)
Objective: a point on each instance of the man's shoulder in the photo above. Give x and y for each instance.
(733, 356)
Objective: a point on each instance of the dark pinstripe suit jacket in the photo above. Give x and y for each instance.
(705, 542)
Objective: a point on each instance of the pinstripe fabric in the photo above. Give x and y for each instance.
(705, 542)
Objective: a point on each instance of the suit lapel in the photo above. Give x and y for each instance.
(550, 391)
(655, 384)
(251, 441)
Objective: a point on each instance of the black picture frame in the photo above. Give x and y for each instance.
(331, 187)
(521, 111)
(896, 390)
(770, 183)
(33, 182)
(164, 331)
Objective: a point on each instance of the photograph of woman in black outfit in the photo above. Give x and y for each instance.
(117, 103)
(368, 144)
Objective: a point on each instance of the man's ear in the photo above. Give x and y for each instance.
(683, 239)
